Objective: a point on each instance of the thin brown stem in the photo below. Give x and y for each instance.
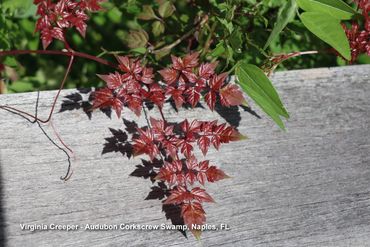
(62, 53)
(54, 102)
(162, 115)
(209, 38)
(179, 40)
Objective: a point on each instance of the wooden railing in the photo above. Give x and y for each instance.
(308, 186)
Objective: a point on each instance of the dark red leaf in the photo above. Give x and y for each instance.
(230, 95)
(170, 76)
(207, 70)
(105, 98)
(193, 214)
(214, 174)
(204, 142)
(217, 81)
(190, 60)
(179, 195)
(210, 98)
(193, 95)
(201, 195)
(144, 144)
(113, 81)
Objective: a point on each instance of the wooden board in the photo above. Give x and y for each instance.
(308, 186)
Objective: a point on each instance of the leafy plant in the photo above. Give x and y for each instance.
(181, 52)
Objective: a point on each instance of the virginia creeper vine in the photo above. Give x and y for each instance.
(186, 82)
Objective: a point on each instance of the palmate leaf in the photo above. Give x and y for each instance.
(257, 85)
(334, 8)
(286, 15)
(329, 30)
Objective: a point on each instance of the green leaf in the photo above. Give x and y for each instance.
(137, 39)
(140, 50)
(258, 86)
(157, 28)
(11, 62)
(335, 8)
(236, 40)
(166, 9)
(229, 25)
(329, 30)
(286, 15)
(219, 50)
(147, 14)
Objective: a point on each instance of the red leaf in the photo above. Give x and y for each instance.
(190, 60)
(217, 81)
(186, 148)
(214, 174)
(147, 76)
(211, 100)
(230, 134)
(177, 96)
(193, 214)
(156, 95)
(172, 173)
(201, 195)
(170, 76)
(124, 63)
(178, 195)
(193, 95)
(204, 142)
(134, 103)
(113, 81)
(105, 98)
(190, 76)
(206, 70)
(177, 63)
(144, 144)
(230, 95)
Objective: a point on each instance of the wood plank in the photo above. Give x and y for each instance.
(309, 186)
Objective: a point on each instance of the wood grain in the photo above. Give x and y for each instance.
(308, 186)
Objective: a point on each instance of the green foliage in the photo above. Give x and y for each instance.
(287, 13)
(329, 30)
(335, 8)
(257, 85)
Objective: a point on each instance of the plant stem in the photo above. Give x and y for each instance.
(209, 38)
(36, 119)
(162, 115)
(179, 40)
(63, 53)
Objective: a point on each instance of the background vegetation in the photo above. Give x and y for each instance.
(224, 30)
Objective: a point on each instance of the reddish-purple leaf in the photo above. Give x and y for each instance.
(214, 174)
(204, 142)
(231, 95)
(201, 195)
(170, 76)
(105, 98)
(210, 98)
(193, 215)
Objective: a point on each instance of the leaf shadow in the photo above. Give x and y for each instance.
(119, 142)
(82, 100)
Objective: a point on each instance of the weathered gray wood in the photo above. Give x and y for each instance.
(309, 186)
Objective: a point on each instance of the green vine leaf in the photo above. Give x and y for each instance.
(335, 8)
(286, 15)
(157, 28)
(166, 9)
(147, 14)
(329, 30)
(258, 86)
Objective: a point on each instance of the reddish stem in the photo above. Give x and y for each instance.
(162, 115)
(63, 53)
(55, 99)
